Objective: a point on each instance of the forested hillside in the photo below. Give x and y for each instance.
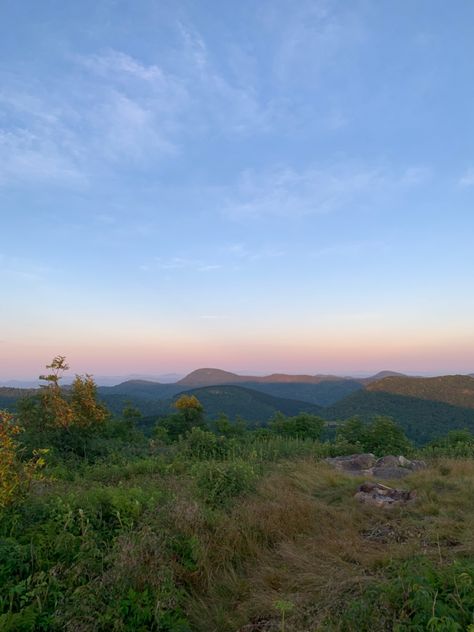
(457, 390)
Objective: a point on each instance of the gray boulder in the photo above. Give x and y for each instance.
(387, 467)
(353, 463)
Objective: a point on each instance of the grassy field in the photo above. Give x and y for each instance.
(269, 540)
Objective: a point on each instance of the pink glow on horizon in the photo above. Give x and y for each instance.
(341, 358)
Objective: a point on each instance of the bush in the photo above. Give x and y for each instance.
(419, 595)
(219, 482)
(204, 444)
(381, 436)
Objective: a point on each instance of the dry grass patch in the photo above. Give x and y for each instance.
(304, 540)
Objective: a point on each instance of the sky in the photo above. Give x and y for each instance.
(256, 185)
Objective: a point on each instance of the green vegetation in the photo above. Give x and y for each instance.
(381, 436)
(422, 420)
(212, 526)
(457, 390)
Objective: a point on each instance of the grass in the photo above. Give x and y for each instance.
(251, 541)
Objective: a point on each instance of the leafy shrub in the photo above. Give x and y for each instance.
(15, 475)
(381, 436)
(302, 426)
(204, 444)
(219, 482)
(419, 595)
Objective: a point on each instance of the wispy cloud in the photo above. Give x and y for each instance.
(286, 192)
(182, 263)
(22, 270)
(242, 252)
(467, 179)
(26, 156)
(311, 37)
(349, 249)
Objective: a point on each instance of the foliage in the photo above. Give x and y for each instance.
(381, 436)
(86, 410)
(190, 415)
(218, 527)
(15, 475)
(300, 426)
(417, 595)
(218, 483)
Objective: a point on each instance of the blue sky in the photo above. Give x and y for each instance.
(257, 185)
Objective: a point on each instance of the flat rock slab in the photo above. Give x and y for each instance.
(383, 496)
(387, 467)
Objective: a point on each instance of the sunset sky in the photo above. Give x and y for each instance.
(257, 185)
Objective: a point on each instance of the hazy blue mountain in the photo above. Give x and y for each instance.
(323, 393)
(247, 403)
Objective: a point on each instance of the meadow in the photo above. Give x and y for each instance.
(219, 528)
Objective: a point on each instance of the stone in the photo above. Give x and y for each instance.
(353, 462)
(386, 467)
(388, 461)
(387, 472)
(380, 495)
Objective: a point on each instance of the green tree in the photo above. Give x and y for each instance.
(190, 414)
(352, 431)
(302, 426)
(87, 411)
(385, 436)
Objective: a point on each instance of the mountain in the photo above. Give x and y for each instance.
(211, 377)
(9, 396)
(422, 419)
(457, 390)
(142, 388)
(323, 393)
(247, 403)
(381, 375)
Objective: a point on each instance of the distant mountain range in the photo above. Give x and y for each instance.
(212, 377)
(425, 407)
(248, 403)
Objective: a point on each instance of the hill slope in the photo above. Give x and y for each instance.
(323, 393)
(247, 403)
(211, 377)
(457, 390)
(422, 419)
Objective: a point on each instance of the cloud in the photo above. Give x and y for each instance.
(286, 192)
(182, 263)
(312, 35)
(22, 270)
(243, 252)
(107, 109)
(228, 104)
(467, 179)
(25, 156)
(349, 249)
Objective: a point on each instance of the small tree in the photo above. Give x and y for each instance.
(15, 475)
(381, 436)
(385, 436)
(190, 414)
(191, 409)
(352, 431)
(302, 426)
(87, 411)
(54, 409)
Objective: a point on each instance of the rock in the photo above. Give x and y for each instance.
(388, 472)
(386, 467)
(403, 462)
(389, 461)
(354, 463)
(380, 495)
